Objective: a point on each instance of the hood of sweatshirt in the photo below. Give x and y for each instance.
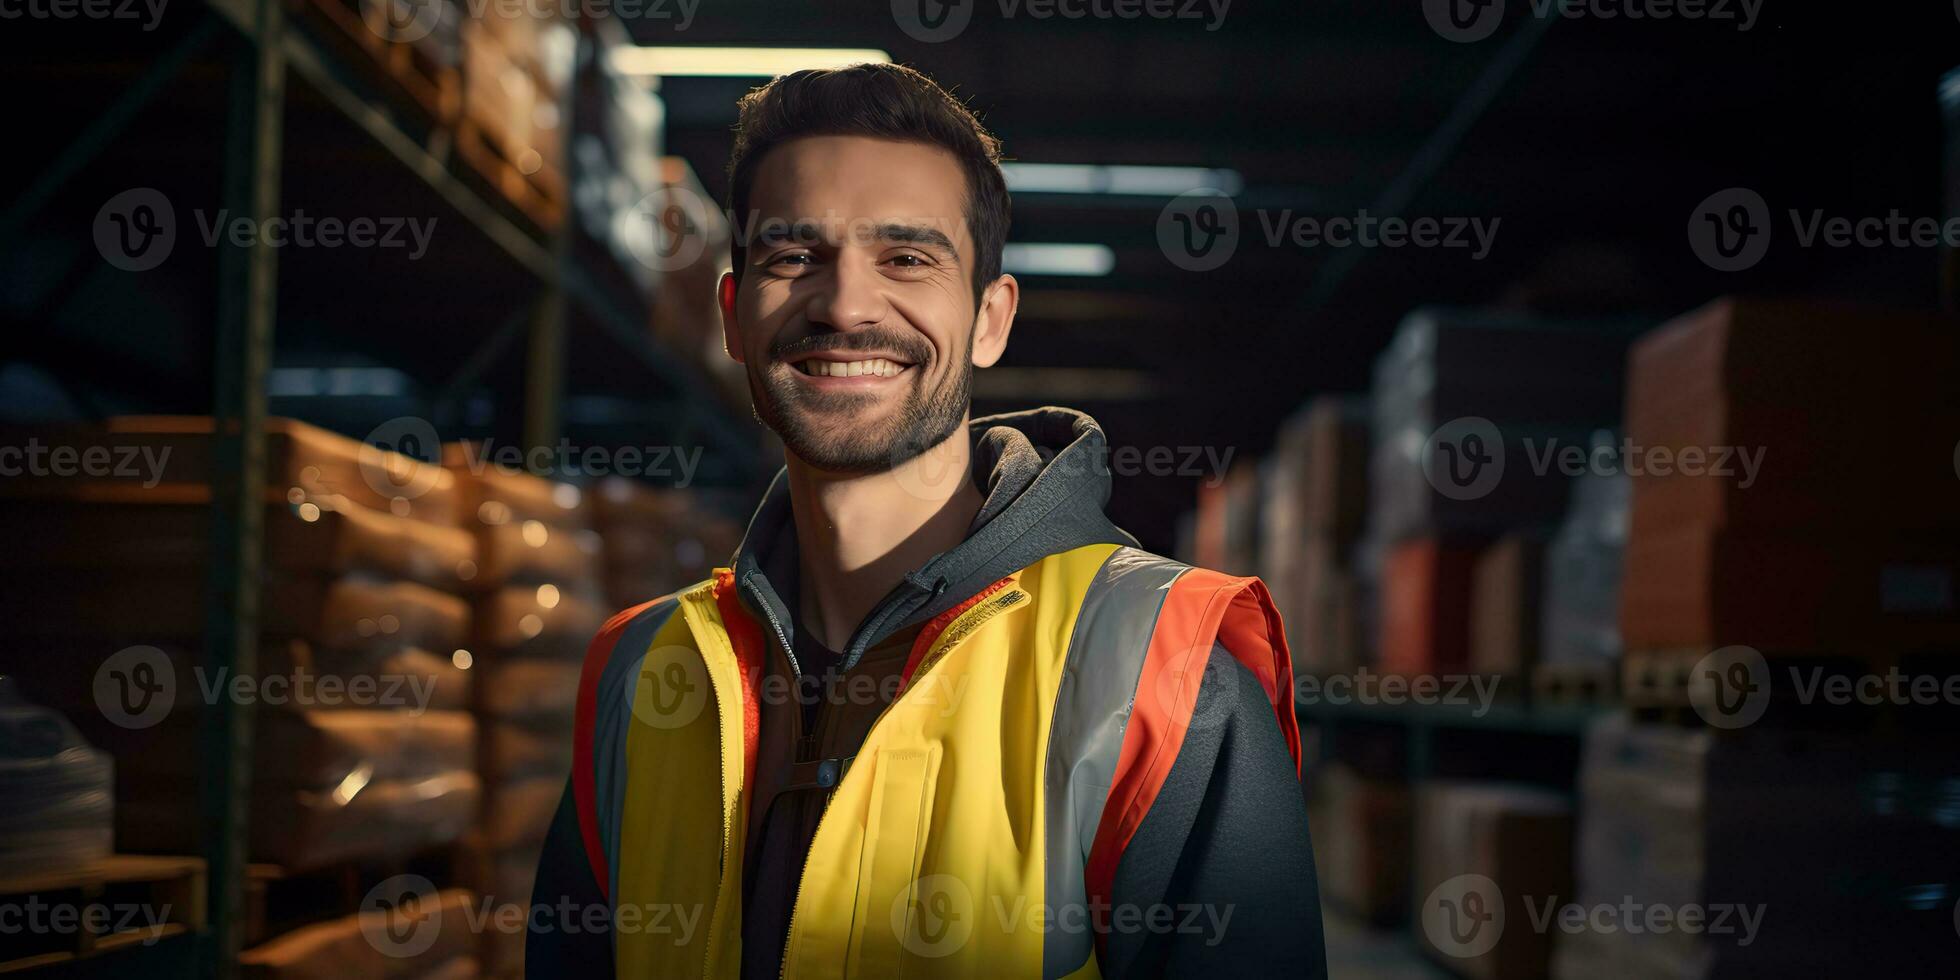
(1044, 474)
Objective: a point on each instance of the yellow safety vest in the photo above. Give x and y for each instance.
(978, 829)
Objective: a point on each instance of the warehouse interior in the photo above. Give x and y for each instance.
(1615, 528)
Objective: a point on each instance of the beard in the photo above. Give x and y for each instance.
(829, 430)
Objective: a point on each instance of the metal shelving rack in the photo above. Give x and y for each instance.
(263, 52)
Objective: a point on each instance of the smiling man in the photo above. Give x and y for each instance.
(938, 716)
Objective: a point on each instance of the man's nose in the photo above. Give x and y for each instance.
(851, 297)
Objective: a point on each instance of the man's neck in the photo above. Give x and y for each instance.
(858, 535)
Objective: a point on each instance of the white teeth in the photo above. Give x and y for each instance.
(876, 366)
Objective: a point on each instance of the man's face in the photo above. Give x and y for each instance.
(855, 313)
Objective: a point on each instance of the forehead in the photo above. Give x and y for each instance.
(819, 177)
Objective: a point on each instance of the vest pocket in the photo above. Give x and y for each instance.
(901, 918)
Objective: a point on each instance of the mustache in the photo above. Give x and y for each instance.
(911, 347)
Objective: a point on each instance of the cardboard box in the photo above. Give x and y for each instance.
(169, 459)
(1814, 834)
(1506, 589)
(536, 622)
(1517, 838)
(1323, 613)
(1361, 830)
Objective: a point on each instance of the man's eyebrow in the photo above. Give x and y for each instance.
(917, 235)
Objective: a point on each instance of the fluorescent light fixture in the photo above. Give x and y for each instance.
(675, 62)
(1057, 259)
(1092, 178)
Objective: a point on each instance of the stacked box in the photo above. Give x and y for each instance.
(1315, 493)
(514, 67)
(1825, 467)
(1227, 529)
(1506, 593)
(1813, 834)
(1361, 826)
(615, 159)
(1582, 574)
(1470, 412)
(356, 687)
(1539, 386)
(1517, 841)
(538, 603)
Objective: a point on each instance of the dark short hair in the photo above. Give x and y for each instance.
(883, 102)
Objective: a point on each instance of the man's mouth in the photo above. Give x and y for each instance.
(825, 367)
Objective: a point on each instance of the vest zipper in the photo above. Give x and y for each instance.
(955, 632)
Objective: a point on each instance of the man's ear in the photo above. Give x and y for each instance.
(995, 320)
(731, 331)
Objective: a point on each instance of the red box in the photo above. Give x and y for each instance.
(1850, 414)
(1425, 607)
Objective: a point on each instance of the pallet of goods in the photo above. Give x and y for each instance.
(362, 752)
(537, 602)
(1468, 412)
(1764, 839)
(1818, 528)
(1484, 851)
(1314, 498)
(512, 124)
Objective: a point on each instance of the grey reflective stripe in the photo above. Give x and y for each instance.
(1092, 706)
(612, 711)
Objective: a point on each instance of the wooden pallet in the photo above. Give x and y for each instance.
(280, 899)
(1659, 685)
(145, 899)
(408, 70)
(1576, 683)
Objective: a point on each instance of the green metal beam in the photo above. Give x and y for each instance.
(247, 302)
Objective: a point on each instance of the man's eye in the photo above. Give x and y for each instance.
(794, 260)
(908, 261)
